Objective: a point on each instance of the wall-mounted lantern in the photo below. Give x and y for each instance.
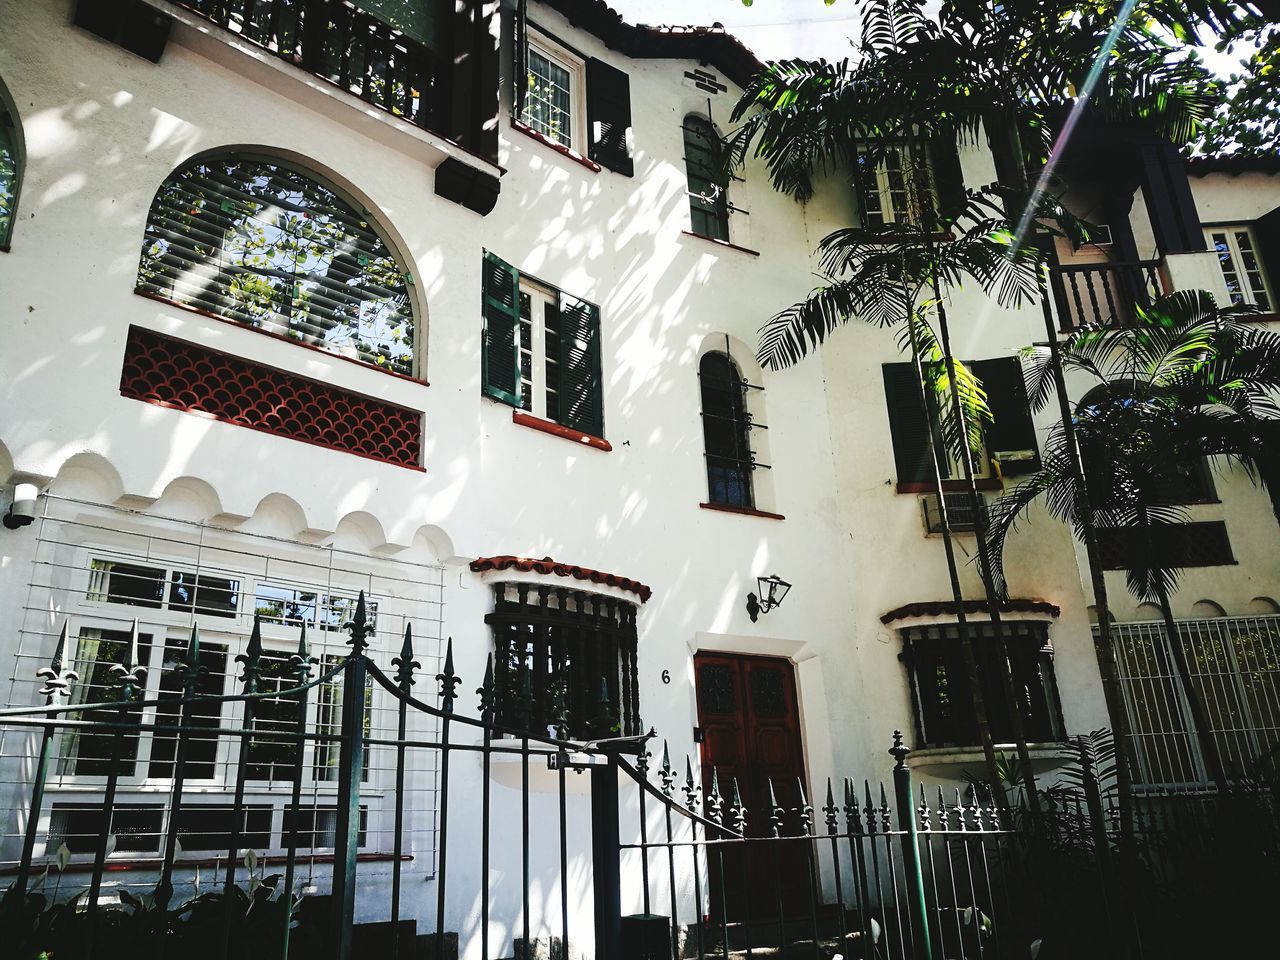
(772, 591)
(23, 509)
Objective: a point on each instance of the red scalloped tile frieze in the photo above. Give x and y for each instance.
(184, 376)
(548, 567)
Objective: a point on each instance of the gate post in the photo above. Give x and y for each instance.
(606, 861)
(910, 848)
(350, 767)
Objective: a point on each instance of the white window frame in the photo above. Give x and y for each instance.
(565, 59)
(1246, 293)
(540, 297)
(883, 189)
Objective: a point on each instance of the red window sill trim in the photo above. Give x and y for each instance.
(283, 436)
(278, 336)
(556, 430)
(951, 486)
(555, 145)
(1255, 318)
(154, 863)
(745, 511)
(721, 243)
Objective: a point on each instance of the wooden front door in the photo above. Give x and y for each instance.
(750, 724)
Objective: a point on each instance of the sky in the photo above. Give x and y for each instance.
(771, 28)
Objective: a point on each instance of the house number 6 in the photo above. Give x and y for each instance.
(666, 676)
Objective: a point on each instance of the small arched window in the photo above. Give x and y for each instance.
(256, 241)
(708, 202)
(10, 166)
(726, 431)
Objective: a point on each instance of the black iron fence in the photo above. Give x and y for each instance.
(675, 866)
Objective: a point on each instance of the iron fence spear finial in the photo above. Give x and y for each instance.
(737, 812)
(690, 788)
(300, 663)
(360, 628)
(830, 809)
(804, 810)
(130, 674)
(405, 664)
(715, 802)
(775, 812)
(449, 680)
(664, 774)
(189, 670)
(251, 660)
(57, 681)
(485, 691)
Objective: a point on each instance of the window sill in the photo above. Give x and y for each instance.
(721, 243)
(209, 314)
(1044, 756)
(744, 511)
(950, 486)
(555, 145)
(556, 430)
(1255, 318)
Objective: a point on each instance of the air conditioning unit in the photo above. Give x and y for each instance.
(959, 513)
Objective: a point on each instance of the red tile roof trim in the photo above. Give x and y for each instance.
(548, 567)
(942, 608)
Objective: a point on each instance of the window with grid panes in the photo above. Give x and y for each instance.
(87, 752)
(942, 696)
(726, 431)
(1241, 265)
(708, 200)
(541, 349)
(551, 101)
(900, 187)
(564, 649)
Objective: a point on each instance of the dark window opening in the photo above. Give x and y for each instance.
(708, 200)
(202, 749)
(208, 826)
(127, 583)
(726, 431)
(136, 826)
(1201, 544)
(555, 645)
(10, 170)
(940, 685)
(209, 595)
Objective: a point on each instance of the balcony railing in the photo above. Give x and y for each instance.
(1093, 293)
(334, 40)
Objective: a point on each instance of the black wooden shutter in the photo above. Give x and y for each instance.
(1012, 429)
(908, 424)
(500, 352)
(520, 53)
(581, 399)
(609, 117)
(1266, 230)
(948, 180)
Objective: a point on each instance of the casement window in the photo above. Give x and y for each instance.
(1240, 260)
(913, 183)
(541, 349)
(10, 168)
(141, 585)
(261, 243)
(941, 694)
(557, 649)
(1010, 439)
(708, 199)
(726, 431)
(1199, 544)
(580, 103)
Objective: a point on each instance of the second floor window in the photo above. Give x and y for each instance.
(552, 104)
(541, 350)
(899, 188)
(708, 201)
(261, 243)
(1242, 269)
(726, 431)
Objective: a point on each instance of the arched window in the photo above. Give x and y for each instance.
(10, 166)
(708, 202)
(726, 431)
(256, 241)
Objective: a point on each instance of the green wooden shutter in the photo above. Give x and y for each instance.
(581, 397)
(520, 52)
(948, 180)
(1266, 230)
(1012, 429)
(500, 352)
(609, 117)
(908, 424)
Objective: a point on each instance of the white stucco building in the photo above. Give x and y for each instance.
(279, 329)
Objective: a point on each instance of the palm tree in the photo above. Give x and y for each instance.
(1184, 381)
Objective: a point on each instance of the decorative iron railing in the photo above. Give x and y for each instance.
(337, 41)
(1093, 293)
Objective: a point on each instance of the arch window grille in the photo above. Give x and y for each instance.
(258, 242)
(726, 430)
(708, 199)
(10, 168)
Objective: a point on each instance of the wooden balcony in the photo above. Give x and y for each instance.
(1093, 293)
